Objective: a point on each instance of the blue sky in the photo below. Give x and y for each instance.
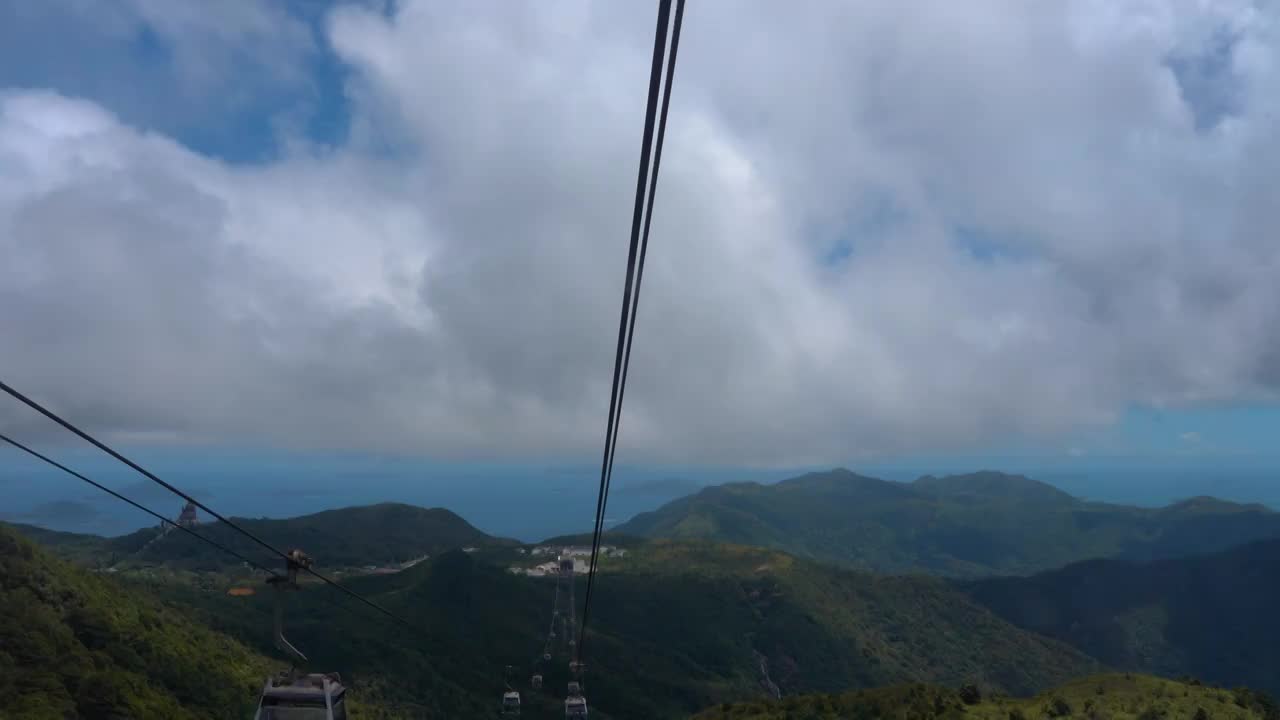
(302, 237)
(131, 60)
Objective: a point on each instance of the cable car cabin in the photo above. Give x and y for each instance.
(308, 697)
(536, 682)
(566, 565)
(575, 689)
(510, 704)
(575, 707)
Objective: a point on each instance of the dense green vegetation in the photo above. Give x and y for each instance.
(960, 526)
(1102, 697)
(73, 644)
(85, 549)
(382, 534)
(677, 627)
(1209, 616)
(871, 629)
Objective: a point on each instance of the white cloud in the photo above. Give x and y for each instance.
(459, 296)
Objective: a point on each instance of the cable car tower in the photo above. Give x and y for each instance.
(291, 695)
(563, 618)
(566, 578)
(564, 613)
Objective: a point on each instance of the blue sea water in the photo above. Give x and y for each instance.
(527, 502)
(524, 501)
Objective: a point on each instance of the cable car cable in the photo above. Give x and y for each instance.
(644, 249)
(630, 301)
(644, 246)
(137, 505)
(138, 468)
(151, 476)
(655, 78)
(256, 565)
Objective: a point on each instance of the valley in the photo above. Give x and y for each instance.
(687, 624)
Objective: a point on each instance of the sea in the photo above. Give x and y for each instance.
(528, 502)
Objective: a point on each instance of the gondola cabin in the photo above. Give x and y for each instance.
(318, 696)
(575, 707)
(511, 704)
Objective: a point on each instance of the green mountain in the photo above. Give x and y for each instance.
(82, 548)
(384, 534)
(982, 487)
(76, 645)
(675, 627)
(1209, 616)
(961, 526)
(1110, 697)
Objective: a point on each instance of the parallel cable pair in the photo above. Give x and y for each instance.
(151, 476)
(646, 187)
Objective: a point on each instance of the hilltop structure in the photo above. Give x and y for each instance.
(188, 517)
(568, 560)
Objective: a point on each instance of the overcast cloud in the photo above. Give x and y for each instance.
(880, 228)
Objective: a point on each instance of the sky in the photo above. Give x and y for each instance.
(886, 235)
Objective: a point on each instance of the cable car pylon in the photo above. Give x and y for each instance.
(291, 694)
(563, 622)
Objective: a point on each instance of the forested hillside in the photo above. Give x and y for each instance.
(1211, 616)
(387, 533)
(1102, 697)
(675, 627)
(960, 526)
(75, 645)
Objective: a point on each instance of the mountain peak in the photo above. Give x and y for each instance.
(991, 483)
(843, 480)
(385, 533)
(389, 507)
(959, 525)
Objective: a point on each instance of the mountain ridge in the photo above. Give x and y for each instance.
(378, 534)
(992, 481)
(696, 623)
(971, 525)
